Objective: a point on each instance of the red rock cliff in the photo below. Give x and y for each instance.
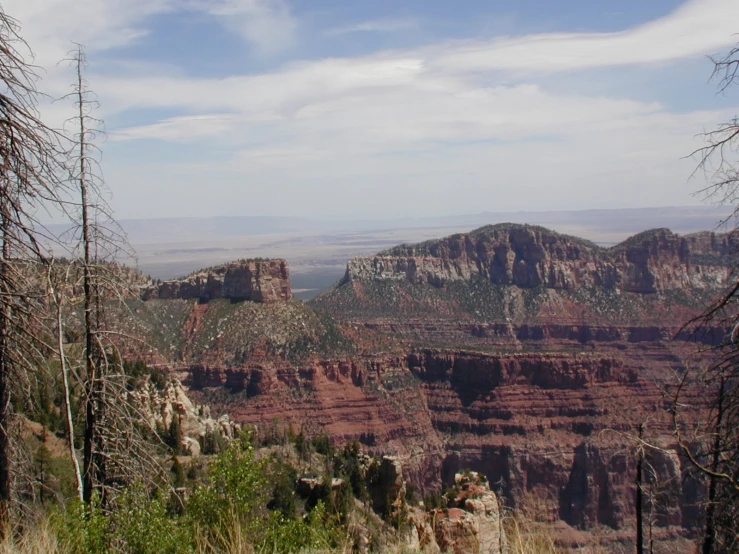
(529, 257)
(264, 281)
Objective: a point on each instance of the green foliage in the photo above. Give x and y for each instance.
(302, 446)
(82, 529)
(410, 494)
(228, 512)
(236, 489)
(320, 530)
(42, 460)
(434, 501)
(283, 478)
(322, 445)
(348, 464)
(173, 436)
(138, 371)
(178, 473)
(45, 396)
(139, 525)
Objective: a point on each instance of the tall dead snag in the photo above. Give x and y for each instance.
(93, 366)
(58, 283)
(114, 451)
(29, 170)
(639, 493)
(712, 446)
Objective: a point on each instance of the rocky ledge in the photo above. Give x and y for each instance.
(264, 281)
(530, 256)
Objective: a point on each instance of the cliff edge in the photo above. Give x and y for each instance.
(263, 281)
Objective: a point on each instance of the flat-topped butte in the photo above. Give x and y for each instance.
(264, 281)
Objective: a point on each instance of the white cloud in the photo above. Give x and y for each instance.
(50, 26)
(697, 28)
(455, 127)
(268, 24)
(376, 26)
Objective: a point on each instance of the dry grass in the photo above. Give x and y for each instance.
(529, 537)
(40, 540)
(529, 529)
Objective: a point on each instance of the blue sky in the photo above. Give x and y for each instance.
(345, 109)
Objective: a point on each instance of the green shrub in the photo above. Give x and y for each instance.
(81, 529)
(283, 477)
(236, 490)
(319, 531)
(138, 525)
(213, 442)
(434, 501)
(322, 445)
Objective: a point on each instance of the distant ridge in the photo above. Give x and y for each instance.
(519, 272)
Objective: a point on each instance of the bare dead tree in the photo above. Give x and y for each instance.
(711, 443)
(115, 451)
(57, 291)
(639, 493)
(719, 156)
(93, 366)
(29, 180)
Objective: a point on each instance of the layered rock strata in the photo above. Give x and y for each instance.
(265, 281)
(527, 356)
(530, 257)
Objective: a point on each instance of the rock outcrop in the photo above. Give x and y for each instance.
(530, 257)
(161, 407)
(472, 523)
(265, 281)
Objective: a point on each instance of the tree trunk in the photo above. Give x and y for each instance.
(67, 404)
(88, 462)
(5, 368)
(639, 495)
(709, 536)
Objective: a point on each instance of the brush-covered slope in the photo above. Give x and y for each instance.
(520, 273)
(226, 334)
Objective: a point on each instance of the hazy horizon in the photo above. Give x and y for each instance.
(317, 251)
(327, 109)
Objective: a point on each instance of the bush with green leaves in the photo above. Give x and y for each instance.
(236, 491)
(242, 501)
(138, 525)
(82, 529)
(141, 525)
(322, 444)
(318, 531)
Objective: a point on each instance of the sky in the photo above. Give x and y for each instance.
(340, 109)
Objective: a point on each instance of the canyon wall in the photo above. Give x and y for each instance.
(264, 281)
(560, 426)
(529, 257)
(527, 356)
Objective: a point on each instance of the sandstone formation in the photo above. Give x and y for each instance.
(529, 257)
(265, 281)
(473, 520)
(160, 407)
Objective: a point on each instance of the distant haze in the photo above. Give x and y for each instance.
(317, 251)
